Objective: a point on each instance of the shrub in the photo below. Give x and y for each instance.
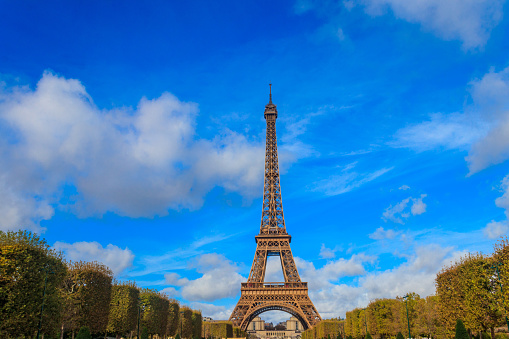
(400, 336)
(84, 333)
(461, 331)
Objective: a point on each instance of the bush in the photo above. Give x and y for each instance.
(368, 336)
(400, 336)
(144, 333)
(84, 333)
(461, 331)
(501, 336)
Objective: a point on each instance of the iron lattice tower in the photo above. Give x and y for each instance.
(258, 296)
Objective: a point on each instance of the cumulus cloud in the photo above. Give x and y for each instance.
(399, 211)
(174, 279)
(347, 180)
(114, 257)
(417, 274)
(469, 21)
(381, 234)
(136, 162)
(214, 311)
(219, 279)
(496, 229)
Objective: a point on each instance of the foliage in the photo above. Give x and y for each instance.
(501, 260)
(84, 333)
(26, 261)
(154, 311)
(173, 318)
(196, 320)
(399, 336)
(217, 329)
(123, 315)
(186, 322)
(368, 336)
(144, 333)
(87, 293)
(461, 331)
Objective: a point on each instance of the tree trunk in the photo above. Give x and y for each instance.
(62, 333)
(492, 333)
(72, 334)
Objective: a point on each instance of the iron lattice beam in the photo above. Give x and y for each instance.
(291, 295)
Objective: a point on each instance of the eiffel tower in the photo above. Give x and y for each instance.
(257, 296)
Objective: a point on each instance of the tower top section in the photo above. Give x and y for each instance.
(270, 108)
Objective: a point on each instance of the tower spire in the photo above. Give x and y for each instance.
(270, 93)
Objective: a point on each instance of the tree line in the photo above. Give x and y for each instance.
(474, 289)
(41, 292)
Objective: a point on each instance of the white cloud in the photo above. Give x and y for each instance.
(219, 279)
(399, 211)
(328, 253)
(416, 274)
(214, 311)
(470, 21)
(496, 229)
(503, 201)
(114, 257)
(483, 130)
(136, 162)
(441, 131)
(418, 207)
(381, 234)
(347, 180)
(404, 187)
(174, 279)
(171, 292)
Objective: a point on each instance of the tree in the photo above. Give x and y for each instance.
(186, 322)
(155, 311)
(450, 298)
(399, 336)
(476, 273)
(123, 315)
(84, 333)
(28, 267)
(173, 318)
(87, 293)
(501, 261)
(196, 319)
(427, 321)
(461, 331)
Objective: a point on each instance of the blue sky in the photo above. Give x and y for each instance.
(133, 134)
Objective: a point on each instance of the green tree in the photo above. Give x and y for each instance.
(368, 336)
(186, 322)
(450, 298)
(87, 293)
(501, 260)
(144, 333)
(123, 315)
(461, 331)
(173, 318)
(427, 321)
(27, 265)
(399, 336)
(84, 333)
(155, 311)
(196, 319)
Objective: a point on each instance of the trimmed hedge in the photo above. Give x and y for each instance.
(217, 329)
(324, 329)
